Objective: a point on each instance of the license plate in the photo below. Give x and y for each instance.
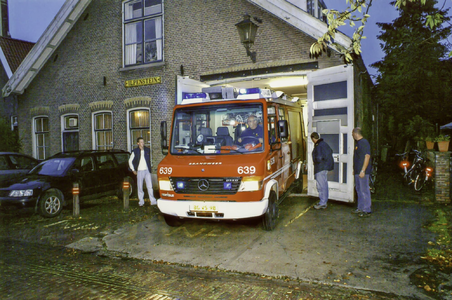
(203, 207)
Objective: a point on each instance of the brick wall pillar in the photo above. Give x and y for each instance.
(442, 176)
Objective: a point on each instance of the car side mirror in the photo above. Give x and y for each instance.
(75, 171)
(163, 138)
(283, 131)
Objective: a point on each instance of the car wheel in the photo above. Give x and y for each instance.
(271, 214)
(173, 221)
(51, 204)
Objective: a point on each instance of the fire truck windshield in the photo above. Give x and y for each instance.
(220, 129)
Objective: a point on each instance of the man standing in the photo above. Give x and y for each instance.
(322, 157)
(362, 168)
(140, 164)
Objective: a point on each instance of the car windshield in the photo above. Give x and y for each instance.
(53, 166)
(218, 129)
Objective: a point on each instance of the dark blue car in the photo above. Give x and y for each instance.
(14, 166)
(48, 186)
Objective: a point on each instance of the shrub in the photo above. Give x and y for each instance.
(9, 139)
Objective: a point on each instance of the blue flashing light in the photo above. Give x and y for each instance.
(249, 91)
(194, 95)
(180, 185)
(227, 185)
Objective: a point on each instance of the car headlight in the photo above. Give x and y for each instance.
(165, 185)
(21, 193)
(250, 186)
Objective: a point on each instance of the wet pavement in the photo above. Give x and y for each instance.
(311, 251)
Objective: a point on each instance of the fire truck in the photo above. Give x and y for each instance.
(231, 154)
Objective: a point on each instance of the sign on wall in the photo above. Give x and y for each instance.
(143, 81)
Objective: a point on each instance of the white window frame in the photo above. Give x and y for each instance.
(142, 19)
(34, 137)
(130, 141)
(63, 126)
(94, 131)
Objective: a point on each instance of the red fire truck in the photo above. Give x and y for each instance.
(231, 154)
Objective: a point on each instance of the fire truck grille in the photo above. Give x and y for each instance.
(220, 185)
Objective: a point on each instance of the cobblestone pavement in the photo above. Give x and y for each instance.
(37, 271)
(35, 264)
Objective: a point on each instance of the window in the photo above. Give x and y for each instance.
(282, 116)
(70, 133)
(22, 162)
(103, 133)
(41, 137)
(139, 127)
(105, 161)
(315, 7)
(143, 41)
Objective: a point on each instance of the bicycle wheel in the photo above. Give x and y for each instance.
(419, 182)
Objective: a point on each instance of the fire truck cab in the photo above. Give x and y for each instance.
(232, 154)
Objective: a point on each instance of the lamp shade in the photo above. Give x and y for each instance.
(247, 31)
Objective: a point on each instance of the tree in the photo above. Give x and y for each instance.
(357, 13)
(414, 79)
(10, 139)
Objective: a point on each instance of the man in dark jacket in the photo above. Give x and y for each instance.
(140, 164)
(322, 156)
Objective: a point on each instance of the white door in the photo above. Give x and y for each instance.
(187, 85)
(331, 114)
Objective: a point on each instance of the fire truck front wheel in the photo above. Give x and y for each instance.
(172, 220)
(271, 214)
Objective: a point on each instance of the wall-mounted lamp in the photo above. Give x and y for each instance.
(247, 31)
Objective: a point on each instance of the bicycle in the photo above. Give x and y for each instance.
(418, 174)
(373, 176)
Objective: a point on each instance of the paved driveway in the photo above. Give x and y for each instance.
(328, 246)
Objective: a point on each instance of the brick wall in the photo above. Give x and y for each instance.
(442, 176)
(198, 34)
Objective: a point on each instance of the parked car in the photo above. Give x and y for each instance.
(48, 186)
(14, 166)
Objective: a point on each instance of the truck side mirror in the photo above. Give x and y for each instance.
(163, 138)
(283, 131)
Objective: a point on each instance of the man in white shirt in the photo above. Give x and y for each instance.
(140, 164)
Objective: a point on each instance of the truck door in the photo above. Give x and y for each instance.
(331, 114)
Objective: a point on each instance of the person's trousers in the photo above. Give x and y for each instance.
(321, 179)
(363, 191)
(145, 176)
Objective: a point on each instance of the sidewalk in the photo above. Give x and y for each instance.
(329, 246)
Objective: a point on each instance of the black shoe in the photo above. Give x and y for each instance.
(357, 211)
(364, 214)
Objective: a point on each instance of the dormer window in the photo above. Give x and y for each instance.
(143, 32)
(315, 7)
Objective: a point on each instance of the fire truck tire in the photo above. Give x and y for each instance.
(172, 220)
(270, 216)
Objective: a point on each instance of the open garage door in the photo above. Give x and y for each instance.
(331, 114)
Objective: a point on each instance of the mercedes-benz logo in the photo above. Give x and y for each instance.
(203, 185)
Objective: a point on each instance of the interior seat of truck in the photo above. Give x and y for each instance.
(206, 133)
(223, 136)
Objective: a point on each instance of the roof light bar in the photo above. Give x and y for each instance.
(254, 93)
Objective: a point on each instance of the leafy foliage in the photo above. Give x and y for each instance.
(357, 12)
(10, 139)
(414, 78)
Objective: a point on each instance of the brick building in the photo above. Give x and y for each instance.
(106, 72)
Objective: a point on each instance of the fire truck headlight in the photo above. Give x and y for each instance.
(165, 185)
(250, 186)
